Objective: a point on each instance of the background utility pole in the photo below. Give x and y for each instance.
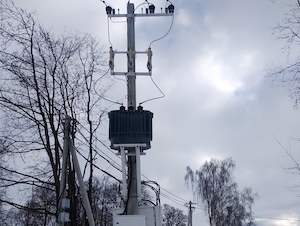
(191, 210)
(132, 208)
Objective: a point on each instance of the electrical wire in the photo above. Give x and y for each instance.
(155, 40)
(108, 32)
(171, 196)
(104, 156)
(182, 200)
(167, 2)
(113, 163)
(126, 81)
(97, 139)
(144, 3)
(109, 40)
(97, 166)
(108, 100)
(123, 80)
(276, 218)
(172, 199)
(155, 98)
(177, 199)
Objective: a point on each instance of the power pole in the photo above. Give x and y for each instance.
(132, 208)
(190, 215)
(131, 88)
(128, 129)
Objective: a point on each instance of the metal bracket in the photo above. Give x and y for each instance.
(137, 153)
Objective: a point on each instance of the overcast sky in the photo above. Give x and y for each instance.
(219, 104)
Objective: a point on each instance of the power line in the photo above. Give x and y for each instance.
(155, 98)
(172, 199)
(276, 218)
(182, 200)
(170, 196)
(101, 142)
(107, 158)
(164, 34)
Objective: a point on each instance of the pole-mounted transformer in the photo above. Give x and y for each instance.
(130, 126)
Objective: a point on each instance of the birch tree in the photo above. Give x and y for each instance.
(213, 186)
(172, 216)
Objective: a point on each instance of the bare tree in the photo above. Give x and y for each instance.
(288, 31)
(40, 206)
(213, 185)
(43, 79)
(172, 216)
(294, 169)
(39, 209)
(2, 183)
(105, 197)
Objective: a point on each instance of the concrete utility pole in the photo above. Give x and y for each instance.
(131, 88)
(132, 208)
(191, 210)
(64, 202)
(63, 215)
(85, 199)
